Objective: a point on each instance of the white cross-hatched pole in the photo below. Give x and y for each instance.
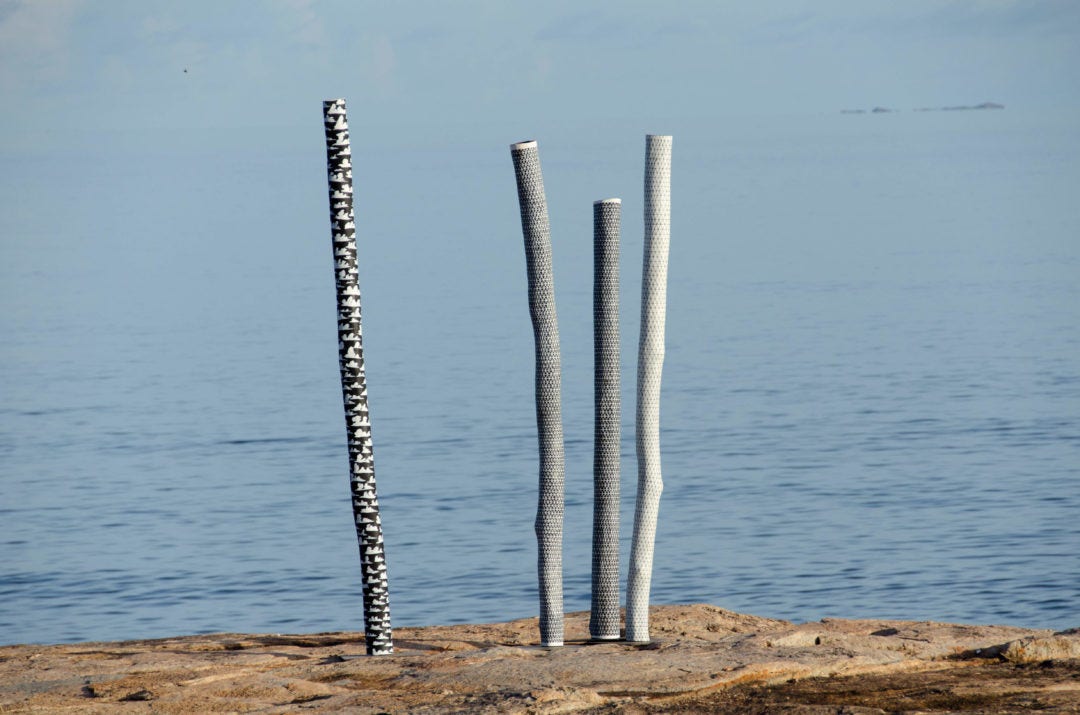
(604, 616)
(365, 503)
(650, 367)
(549, 513)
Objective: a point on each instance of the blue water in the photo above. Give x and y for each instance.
(871, 397)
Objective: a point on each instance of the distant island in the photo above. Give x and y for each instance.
(960, 108)
(984, 105)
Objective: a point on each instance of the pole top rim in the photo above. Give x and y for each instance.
(607, 201)
(527, 144)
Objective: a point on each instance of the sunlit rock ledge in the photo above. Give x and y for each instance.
(702, 658)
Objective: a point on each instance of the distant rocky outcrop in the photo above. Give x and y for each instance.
(875, 110)
(984, 105)
(958, 108)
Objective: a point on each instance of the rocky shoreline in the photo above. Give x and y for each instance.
(703, 659)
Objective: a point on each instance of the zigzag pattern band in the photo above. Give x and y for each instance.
(354, 383)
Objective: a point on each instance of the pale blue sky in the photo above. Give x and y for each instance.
(71, 70)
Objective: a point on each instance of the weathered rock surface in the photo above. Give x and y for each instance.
(702, 658)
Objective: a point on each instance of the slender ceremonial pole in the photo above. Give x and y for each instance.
(604, 617)
(650, 366)
(549, 514)
(354, 384)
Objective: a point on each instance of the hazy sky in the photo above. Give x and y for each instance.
(71, 69)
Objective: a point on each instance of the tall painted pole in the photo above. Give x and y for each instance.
(354, 383)
(604, 616)
(549, 513)
(650, 366)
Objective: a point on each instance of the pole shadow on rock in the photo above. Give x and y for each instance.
(354, 383)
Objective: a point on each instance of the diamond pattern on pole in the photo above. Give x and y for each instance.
(549, 515)
(650, 366)
(604, 616)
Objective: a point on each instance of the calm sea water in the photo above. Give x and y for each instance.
(871, 398)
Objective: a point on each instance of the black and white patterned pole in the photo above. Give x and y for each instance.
(604, 617)
(549, 513)
(354, 383)
(650, 366)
